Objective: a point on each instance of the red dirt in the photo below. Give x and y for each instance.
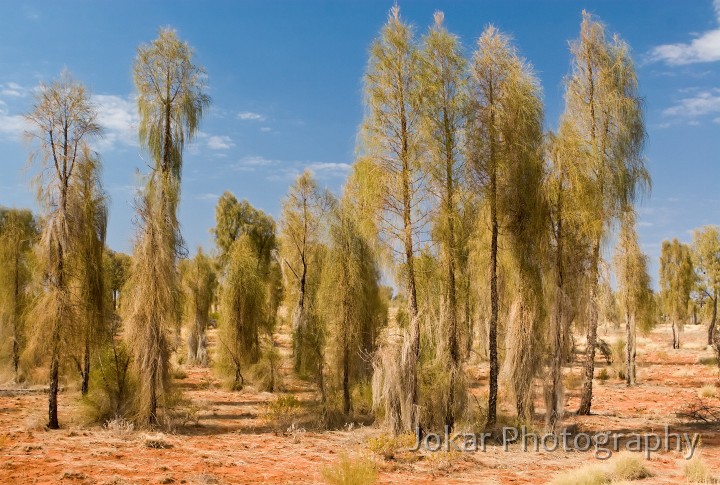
(235, 443)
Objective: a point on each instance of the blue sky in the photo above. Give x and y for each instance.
(286, 78)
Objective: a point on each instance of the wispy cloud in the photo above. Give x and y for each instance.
(691, 108)
(13, 90)
(704, 48)
(11, 126)
(250, 116)
(118, 117)
(329, 167)
(219, 142)
(207, 196)
(287, 170)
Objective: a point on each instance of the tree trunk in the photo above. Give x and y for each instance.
(346, 376)
(54, 384)
(586, 395)
(454, 361)
(713, 319)
(494, 304)
(86, 368)
(410, 262)
(555, 407)
(16, 315)
(630, 349)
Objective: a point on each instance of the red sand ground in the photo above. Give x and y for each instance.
(234, 443)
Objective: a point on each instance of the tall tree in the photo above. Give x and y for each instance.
(443, 77)
(242, 310)
(171, 101)
(303, 233)
(392, 168)
(503, 140)
(18, 233)
(570, 258)
(349, 296)
(636, 296)
(90, 226)
(605, 113)
(677, 278)
(706, 253)
(199, 282)
(62, 123)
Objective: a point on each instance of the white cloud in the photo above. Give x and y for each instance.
(118, 117)
(701, 104)
(250, 116)
(250, 163)
(207, 196)
(265, 129)
(13, 90)
(12, 126)
(704, 48)
(220, 142)
(329, 167)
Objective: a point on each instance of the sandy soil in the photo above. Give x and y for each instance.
(235, 442)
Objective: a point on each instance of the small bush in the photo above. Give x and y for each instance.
(587, 475)
(708, 391)
(573, 381)
(388, 445)
(711, 361)
(265, 374)
(284, 410)
(346, 471)
(156, 442)
(629, 467)
(696, 471)
(180, 374)
(603, 375)
(112, 389)
(120, 428)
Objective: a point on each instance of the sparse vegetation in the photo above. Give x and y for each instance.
(458, 280)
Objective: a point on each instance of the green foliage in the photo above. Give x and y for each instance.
(303, 231)
(350, 303)
(18, 232)
(676, 279)
(112, 387)
(235, 219)
(199, 283)
(242, 311)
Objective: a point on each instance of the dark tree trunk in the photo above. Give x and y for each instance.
(713, 319)
(86, 368)
(586, 395)
(555, 406)
(494, 304)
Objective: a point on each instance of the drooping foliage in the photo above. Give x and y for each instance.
(62, 123)
(199, 281)
(171, 101)
(18, 233)
(677, 278)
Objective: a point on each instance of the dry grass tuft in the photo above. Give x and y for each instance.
(629, 467)
(696, 471)
(156, 442)
(708, 391)
(587, 475)
(388, 445)
(346, 471)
